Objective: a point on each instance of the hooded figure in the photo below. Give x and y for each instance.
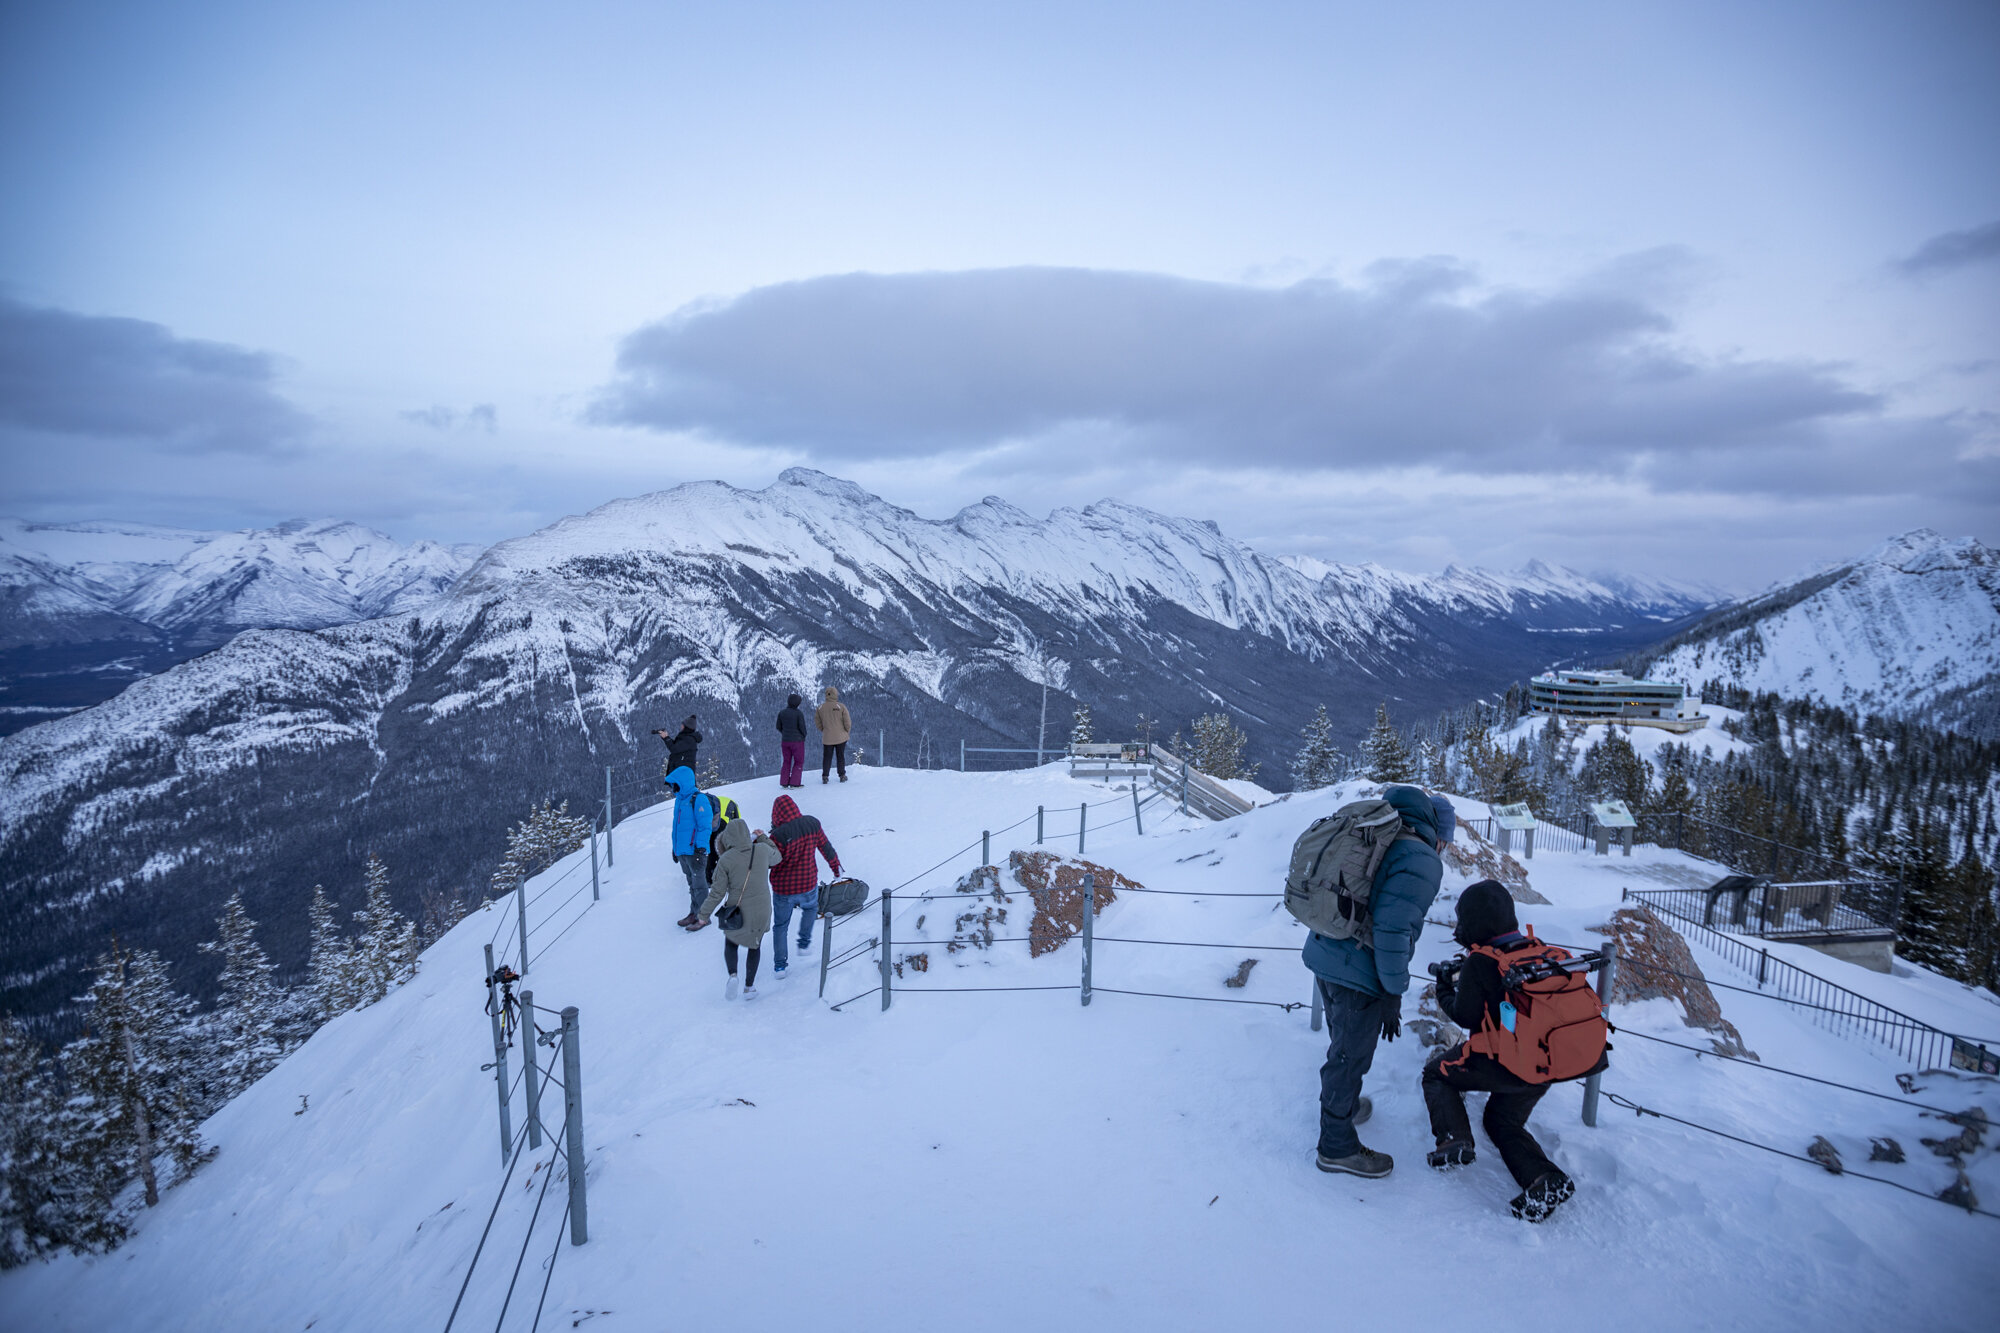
(1473, 999)
(791, 743)
(1361, 985)
(795, 884)
(694, 818)
(742, 880)
(835, 725)
(682, 744)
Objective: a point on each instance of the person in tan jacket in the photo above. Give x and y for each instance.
(835, 726)
(742, 880)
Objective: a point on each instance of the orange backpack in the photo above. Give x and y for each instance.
(1559, 1031)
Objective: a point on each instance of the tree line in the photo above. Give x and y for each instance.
(91, 1133)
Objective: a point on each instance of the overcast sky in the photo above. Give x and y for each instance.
(1707, 290)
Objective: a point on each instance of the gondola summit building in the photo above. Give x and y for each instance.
(1613, 696)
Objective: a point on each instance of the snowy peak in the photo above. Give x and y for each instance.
(1912, 629)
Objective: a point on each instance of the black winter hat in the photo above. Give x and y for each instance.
(1485, 909)
(688, 722)
(793, 700)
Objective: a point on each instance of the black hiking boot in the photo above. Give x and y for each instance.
(1363, 1162)
(1536, 1202)
(1450, 1154)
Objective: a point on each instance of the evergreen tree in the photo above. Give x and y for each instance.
(1318, 762)
(1384, 756)
(330, 967)
(1218, 747)
(36, 1208)
(248, 1006)
(711, 774)
(1613, 771)
(546, 836)
(130, 1103)
(385, 951)
(1079, 732)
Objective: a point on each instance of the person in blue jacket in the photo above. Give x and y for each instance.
(1361, 986)
(694, 817)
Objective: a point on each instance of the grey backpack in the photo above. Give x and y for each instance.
(1334, 864)
(842, 897)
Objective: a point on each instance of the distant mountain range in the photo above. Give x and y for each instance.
(285, 757)
(1911, 629)
(87, 608)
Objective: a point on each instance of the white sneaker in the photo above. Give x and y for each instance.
(730, 987)
(779, 970)
(749, 992)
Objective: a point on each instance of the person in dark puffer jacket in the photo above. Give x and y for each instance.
(1472, 999)
(795, 881)
(792, 743)
(681, 746)
(1361, 986)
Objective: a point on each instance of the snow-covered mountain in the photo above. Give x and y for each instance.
(284, 758)
(85, 608)
(1911, 629)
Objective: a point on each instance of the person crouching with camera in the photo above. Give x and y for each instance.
(1470, 993)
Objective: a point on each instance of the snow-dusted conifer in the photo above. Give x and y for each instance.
(34, 1201)
(330, 967)
(385, 949)
(1614, 771)
(710, 774)
(1384, 756)
(130, 1103)
(1079, 732)
(248, 1006)
(1218, 747)
(1318, 761)
(549, 833)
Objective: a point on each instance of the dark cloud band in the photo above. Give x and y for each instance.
(1418, 365)
(81, 375)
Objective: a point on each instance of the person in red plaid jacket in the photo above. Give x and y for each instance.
(795, 880)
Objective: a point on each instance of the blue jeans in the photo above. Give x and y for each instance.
(696, 869)
(782, 907)
(1353, 1025)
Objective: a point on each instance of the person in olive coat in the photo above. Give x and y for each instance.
(742, 880)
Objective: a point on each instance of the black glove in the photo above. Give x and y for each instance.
(1447, 994)
(1392, 1025)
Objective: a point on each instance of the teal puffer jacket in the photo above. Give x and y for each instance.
(1405, 887)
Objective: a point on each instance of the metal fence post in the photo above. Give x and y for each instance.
(985, 847)
(1137, 823)
(881, 745)
(593, 862)
(1082, 819)
(1763, 964)
(887, 894)
(1038, 826)
(608, 859)
(961, 754)
(500, 1071)
(531, 1070)
(1184, 767)
(1319, 1005)
(1089, 916)
(521, 905)
(1528, 845)
(579, 1222)
(825, 950)
(1607, 983)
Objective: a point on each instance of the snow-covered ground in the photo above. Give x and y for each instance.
(1711, 740)
(1014, 1160)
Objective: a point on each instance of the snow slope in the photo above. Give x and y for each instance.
(1912, 628)
(1014, 1160)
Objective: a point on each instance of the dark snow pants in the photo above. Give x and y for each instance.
(791, 763)
(1353, 1023)
(827, 755)
(1509, 1103)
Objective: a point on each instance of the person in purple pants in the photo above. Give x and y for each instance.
(792, 743)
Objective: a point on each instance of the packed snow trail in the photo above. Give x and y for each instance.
(1013, 1160)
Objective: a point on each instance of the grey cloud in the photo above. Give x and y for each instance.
(66, 374)
(1955, 249)
(1417, 364)
(481, 416)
